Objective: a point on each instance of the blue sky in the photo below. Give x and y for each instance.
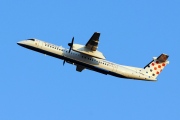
(34, 86)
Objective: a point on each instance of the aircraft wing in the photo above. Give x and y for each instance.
(90, 48)
(92, 44)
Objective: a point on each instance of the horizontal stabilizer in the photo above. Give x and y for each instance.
(162, 58)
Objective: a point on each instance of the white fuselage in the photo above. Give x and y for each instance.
(89, 62)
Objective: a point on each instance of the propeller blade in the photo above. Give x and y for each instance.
(71, 44)
(70, 49)
(72, 40)
(64, 62)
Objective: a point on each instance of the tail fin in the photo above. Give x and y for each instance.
(155, 67)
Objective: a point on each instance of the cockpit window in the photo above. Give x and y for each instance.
(32, 39)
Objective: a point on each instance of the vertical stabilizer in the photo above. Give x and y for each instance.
(155, 67)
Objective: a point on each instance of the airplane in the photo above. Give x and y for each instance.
(88, 57)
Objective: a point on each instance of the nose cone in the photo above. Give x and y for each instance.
(22, 43)
(19, 43)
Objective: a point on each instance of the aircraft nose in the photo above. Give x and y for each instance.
(18, 43)
(21, 43)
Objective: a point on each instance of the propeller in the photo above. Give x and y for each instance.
(71, 44)
(64, 62)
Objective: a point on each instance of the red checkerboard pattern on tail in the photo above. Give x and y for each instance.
(155, 67)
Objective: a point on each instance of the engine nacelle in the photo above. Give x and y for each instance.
(82, 49)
